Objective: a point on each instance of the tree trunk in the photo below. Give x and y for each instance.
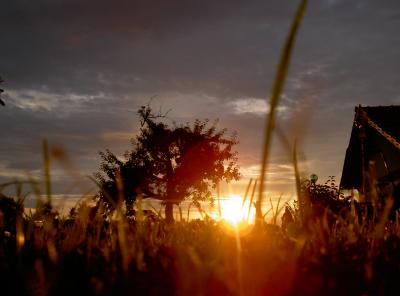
(169, 212)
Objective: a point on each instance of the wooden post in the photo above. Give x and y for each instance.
(360, 122)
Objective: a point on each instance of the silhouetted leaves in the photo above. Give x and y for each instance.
(1, 91)
(170, 163)
(9, 210)
(324, 199)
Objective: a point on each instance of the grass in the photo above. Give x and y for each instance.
(46, 254)
(279, 82)
(90, 252)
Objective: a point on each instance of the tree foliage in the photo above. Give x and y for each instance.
(324, 199)
(1, 91)
(170, 163)
(9, 210)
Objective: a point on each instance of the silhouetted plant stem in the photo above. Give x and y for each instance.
(46, 167)
(276, 92)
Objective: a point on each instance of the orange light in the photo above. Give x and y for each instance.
(234, 212)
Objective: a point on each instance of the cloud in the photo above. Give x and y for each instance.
(253, 105)
(42, 100)
(76, 72)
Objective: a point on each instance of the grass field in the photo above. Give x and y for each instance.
(87, 253)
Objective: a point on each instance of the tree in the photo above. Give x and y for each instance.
(169, 163)
(324, 198)
(10, 209)
(1, 91)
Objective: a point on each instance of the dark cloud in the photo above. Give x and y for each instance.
(91, 46)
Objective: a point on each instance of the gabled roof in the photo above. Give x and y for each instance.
(387, 117)
(380, 126)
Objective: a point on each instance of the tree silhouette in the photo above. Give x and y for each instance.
(1, 91)
(169, 163)
(9, 210)
(324, 198)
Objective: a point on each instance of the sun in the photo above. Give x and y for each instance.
(234, 211)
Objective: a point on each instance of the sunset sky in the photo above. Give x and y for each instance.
(76, 72)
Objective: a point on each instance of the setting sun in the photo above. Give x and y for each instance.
(234, 211)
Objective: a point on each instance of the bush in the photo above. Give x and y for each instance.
(324, 199)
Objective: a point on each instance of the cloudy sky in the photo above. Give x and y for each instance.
(76, 71)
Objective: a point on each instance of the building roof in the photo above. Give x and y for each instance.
(387, 117)
(378, 146)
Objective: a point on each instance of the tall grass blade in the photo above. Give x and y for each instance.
(272, 209)
(266, 213)
(384, 217)
(219, 201)
(247, 192)
(34, 186)
(188, 211)
(18, 188)
(107, 196)
(121, 223)
(157, 212)
(46, 167)
(20, 234)
(276, 93)
(180, 213)
(278, 210)
(303, 204)
(251, 199)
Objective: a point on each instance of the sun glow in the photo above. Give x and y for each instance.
(234, 211)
